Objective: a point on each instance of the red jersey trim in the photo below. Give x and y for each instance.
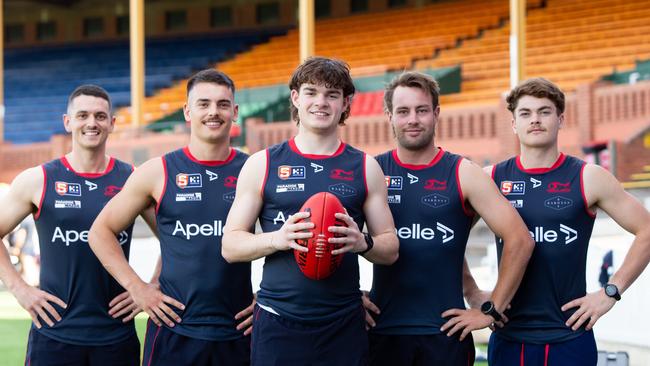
(365, 177)
(165, 174)
(494, 170)
(266, 174)
(111, 165)
(189, 155)
(40, 203)
(467, 211)
(433, 162)
(582, 191)
(294, 148)
(555, 165)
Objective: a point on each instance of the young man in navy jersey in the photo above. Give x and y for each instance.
(434, 196)
(196, 311)
(557, 195)
(79, 311)
(300, 321)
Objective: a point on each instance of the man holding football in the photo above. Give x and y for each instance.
(299, 320)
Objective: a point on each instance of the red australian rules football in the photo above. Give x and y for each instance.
(319, 263)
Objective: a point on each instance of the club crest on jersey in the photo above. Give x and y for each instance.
(291, 172)
(435, 185)
(341, 174)
(558, 203)
(111, 191)
(184, 180)
(513, 187)
(342, 189)
(67, 189)
(394, 182)
(435, 200)
(557, 187)
(230, 182)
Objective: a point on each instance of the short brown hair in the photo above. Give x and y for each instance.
(412, 79)
(330, 72)
(90, 90)
(210, 76)
(538, 88)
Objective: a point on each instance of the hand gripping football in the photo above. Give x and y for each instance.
(319, 263)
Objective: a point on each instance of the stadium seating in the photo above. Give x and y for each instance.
(37, 80)
(568, 42)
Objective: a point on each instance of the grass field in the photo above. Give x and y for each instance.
(15, 324)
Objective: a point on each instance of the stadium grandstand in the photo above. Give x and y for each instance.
(597, 51)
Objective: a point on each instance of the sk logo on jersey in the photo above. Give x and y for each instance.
(393, 182)
(230, 182)
(516, 187)
(557, 187)
(341, 174)
(188, 180)
(291, 172)
(67, 189)
(435, 185)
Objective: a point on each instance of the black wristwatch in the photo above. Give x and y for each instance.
(488, 309)
(369, 242)
(612, 291)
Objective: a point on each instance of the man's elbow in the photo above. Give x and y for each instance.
(227, 249)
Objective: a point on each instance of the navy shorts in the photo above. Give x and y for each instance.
(45, 351)
(416, 350)
(164, 347)
(280, 342)
(580, 351)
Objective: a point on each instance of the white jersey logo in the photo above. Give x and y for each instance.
(536, 182)
(211, 175)
(412, 178)
(317, 168)
(91, 186)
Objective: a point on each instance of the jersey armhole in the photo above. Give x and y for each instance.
(266, 173)
(37, 214)
(467, 211)
(162, 193)
(365, 178)
(494, 170)
(582, 191)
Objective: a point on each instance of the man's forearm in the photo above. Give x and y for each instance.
(635, 262)
(110, 254)
(243, 246)
(514, 260)
(385, 251)
(8, 274)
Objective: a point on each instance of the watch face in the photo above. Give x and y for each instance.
(610, 290)
(486, 307)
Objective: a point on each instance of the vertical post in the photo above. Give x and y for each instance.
(517, 41)
(306, 20)
(2, 72)
(136, 31)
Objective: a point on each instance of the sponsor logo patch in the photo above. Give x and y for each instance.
(536, 182)
(111, 191)
(184, 180)
(394, 198)
(229, 196)
(91, 186)
(211, 175)
(435, 185)
(557, 187)
(282, 188)
(412, 178)
(558, 203)
(341, 174)
(188, 197)
(291, 172)
(317, 168)
(517, 203)
(230, 182)
(394, 182)
(67, 189)
(67, 204)
(513, 187)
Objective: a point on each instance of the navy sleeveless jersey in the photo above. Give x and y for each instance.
(432, 225)
(293, 177)
(190, 217)
(552, 204)
(69, 269)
